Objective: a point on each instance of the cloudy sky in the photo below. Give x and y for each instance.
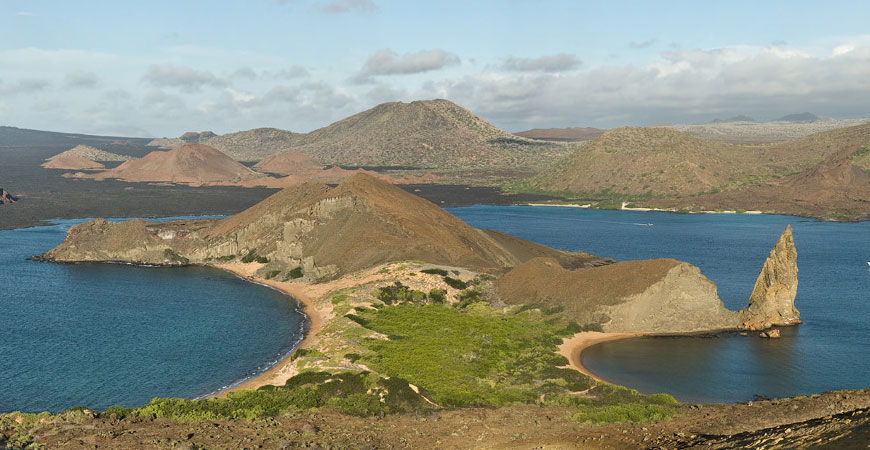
(160, 68)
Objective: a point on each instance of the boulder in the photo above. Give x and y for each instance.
(772, 334)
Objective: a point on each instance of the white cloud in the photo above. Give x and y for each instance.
(181, 77)
(842, 49)
(560, 62)
(388, 62)
(24, 86)
(81, 80)
(684, 86)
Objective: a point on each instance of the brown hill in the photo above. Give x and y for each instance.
(71, 162)
(836, 188)
(326, 231)
(6, 198)
(194, 164)
(573, 134)
(664, 162)
(288, 163)
(432, 134)
(256, 144)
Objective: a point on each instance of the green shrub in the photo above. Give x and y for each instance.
(116, 412)
(441, 272)
(295, 273)
(358, 405)
(272, 274)
(252, 256)
(455, 283)
(468, 296)
(437, 295)
(174, 258)
(225, 258)
(398, 293)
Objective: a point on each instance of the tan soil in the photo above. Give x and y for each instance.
(831, 420)
(71, 162)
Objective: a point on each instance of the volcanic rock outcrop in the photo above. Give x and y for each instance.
(6, 198)
(326, 231)
(659, 295)
(772, 299)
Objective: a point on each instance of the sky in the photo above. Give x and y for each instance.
(161, 68)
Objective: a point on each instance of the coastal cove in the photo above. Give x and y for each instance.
(109, 334)
(729, 249)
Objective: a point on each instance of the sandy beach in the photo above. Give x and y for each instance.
(573, 347)
(306, 294)
(319, 314)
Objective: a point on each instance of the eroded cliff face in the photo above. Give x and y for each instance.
(772, 299)
(682, 301)
(659, 296)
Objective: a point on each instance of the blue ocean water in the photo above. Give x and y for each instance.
(101, 334)
(831, 350)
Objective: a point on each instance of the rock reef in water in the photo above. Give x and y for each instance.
(772, 299)
(6, 198)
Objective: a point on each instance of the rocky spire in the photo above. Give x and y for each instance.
(772, 299)
(6, 197)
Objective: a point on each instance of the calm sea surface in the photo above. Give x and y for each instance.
(102, 334)
(831, 350)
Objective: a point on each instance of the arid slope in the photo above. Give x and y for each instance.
(664, 162)
(432, 134)
(574, 134)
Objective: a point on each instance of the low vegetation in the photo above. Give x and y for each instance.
(174, 258)
(253, 257)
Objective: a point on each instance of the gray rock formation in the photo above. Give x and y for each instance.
(772, 299)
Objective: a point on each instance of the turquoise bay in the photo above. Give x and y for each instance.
(102, 334)
(827, 352)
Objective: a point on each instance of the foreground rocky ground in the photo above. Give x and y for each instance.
(834, 420)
